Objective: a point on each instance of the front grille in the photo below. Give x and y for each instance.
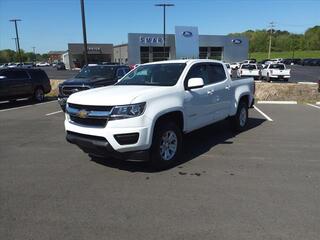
(92, 116)
(90, 108)
(92, 122)
(68, 90)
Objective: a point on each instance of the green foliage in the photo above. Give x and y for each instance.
(8, 55)
(282, 40)
(285, 54)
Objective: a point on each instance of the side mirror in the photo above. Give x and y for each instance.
(195, 83)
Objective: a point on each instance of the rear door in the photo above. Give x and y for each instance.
(221, 89)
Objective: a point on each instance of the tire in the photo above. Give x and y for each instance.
(268, 78)
(38, 95)
(162, 156)
(240, 120)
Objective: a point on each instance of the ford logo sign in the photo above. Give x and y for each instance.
(236, 41)
(187, 34)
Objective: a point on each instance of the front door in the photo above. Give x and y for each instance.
(198, 103)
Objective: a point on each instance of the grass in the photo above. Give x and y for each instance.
(297, 54)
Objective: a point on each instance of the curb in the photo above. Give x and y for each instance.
(277, 102)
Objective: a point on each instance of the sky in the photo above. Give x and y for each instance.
(52, 24)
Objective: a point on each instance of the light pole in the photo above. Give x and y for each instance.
(164, 5)
(270, 39)
(34, 53)
(17, 37)
(84, 31)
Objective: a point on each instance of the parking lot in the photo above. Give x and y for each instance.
(260, 184)
(298, 73)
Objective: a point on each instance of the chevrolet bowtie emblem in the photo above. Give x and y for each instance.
(82, 114)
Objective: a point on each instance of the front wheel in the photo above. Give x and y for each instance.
(240, 120)
(166, 145)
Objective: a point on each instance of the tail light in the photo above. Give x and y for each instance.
(240, 71)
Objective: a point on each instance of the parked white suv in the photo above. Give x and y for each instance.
(145, 114)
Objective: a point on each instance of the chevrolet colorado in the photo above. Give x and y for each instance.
(145, 114)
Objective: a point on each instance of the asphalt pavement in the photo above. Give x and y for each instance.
(263, 183)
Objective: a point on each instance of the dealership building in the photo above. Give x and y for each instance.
(97, 53)
(185, 43)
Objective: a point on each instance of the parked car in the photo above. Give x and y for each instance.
(91, 76)
(148, 110)
(314, 62)
(3, 65)
(43, 64)
(306, 61)
(250, 70)
(60, 66)
(23, 82)
(277, 60)
(292, 61)
(235, 65)
(275, 71)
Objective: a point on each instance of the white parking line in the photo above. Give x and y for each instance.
(49, 114)
(309, 104)
(14, 108)
(277, 102)
(263, 114)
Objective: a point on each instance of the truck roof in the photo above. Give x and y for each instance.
(187, 61)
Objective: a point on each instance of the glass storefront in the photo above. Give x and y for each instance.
(154, 54)
(211, 53)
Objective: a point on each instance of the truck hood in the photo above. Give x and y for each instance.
(84, 81)
(114, 95)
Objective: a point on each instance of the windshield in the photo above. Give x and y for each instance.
(166, 74)
(93, 72)
(277, 66)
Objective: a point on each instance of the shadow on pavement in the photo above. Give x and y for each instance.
(195, 144)
(22, 103)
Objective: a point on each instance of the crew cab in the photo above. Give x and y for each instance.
(249, 70)
(145, 115)
(275, 71)
(21, 82)
(91, 76)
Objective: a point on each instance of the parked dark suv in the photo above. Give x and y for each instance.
(91, 76)
(23, 82)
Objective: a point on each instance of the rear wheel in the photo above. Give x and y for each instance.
(166, 145)
(240, 120)
(38, 94)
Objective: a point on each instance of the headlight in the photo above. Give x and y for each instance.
(128, 111)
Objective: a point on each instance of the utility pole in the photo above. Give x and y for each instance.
(34, 53)
(84, 31)
(17, 37)
(164, 5)
(272, 25)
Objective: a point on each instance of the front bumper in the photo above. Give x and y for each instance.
(99, 146)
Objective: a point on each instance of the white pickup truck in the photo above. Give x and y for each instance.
(249, 70)
(275, 71)
(145, 114)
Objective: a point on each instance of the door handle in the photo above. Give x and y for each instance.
(228, 87)
(210, 92)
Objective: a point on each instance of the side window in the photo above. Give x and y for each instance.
(120, 72)
(216, 73)
(19, 75)
(198, 71)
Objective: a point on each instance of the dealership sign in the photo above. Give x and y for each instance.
(236, 41)
(187, 34)
(151, 40)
